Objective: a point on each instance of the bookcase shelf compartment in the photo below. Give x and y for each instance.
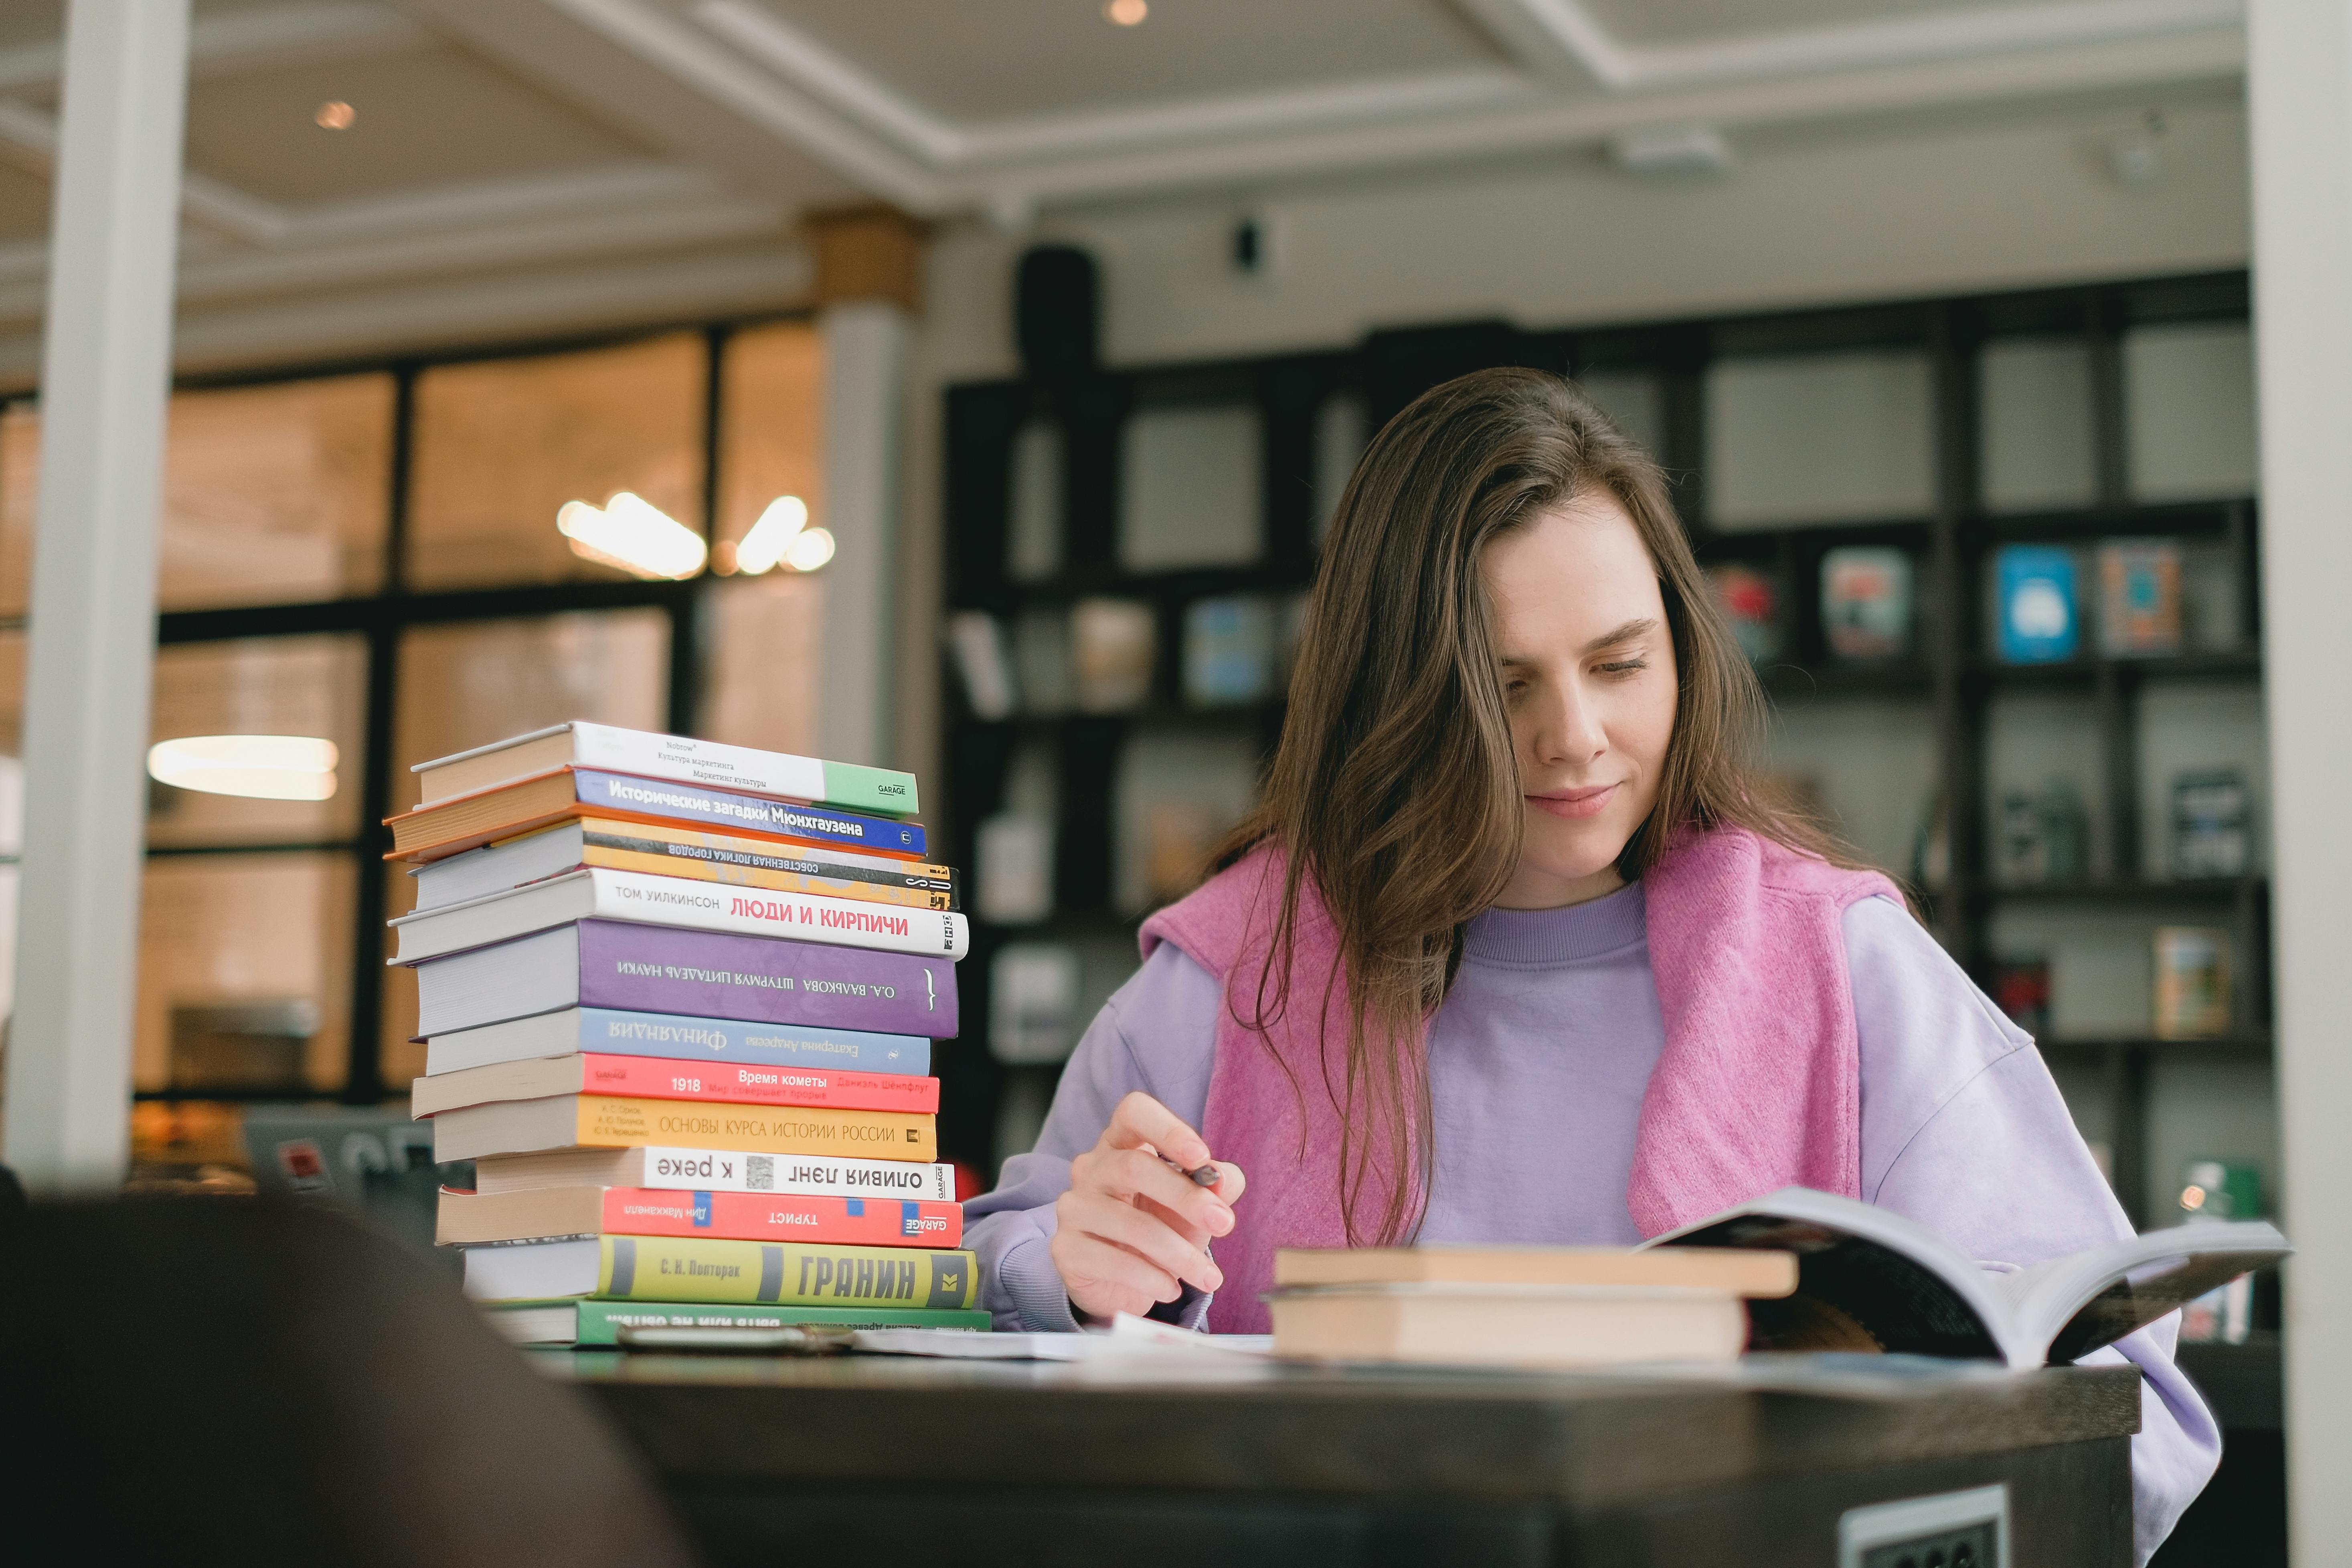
(2118, 479)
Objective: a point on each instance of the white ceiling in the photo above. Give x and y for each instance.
(650, 157)
(967, 62)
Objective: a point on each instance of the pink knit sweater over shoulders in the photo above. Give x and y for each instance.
(1757, 1086)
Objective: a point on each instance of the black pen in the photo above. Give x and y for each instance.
(1200, 1176)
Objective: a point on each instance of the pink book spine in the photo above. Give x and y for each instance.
(743, 1083)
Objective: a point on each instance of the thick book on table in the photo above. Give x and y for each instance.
(480, 1219)
(675, 901)
(1870, 1279)
(625, 845)
(633, 968)
(610, 1121)
(658, 1077)
(677, 1039)
(469, 821)
(680, 757)
(1519, 1306)
(1560, 1327)
(681, 1268)
(593, 1322)
(715, 1170)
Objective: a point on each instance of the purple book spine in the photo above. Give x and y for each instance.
(713, 974)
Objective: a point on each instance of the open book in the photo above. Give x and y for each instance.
(1870, 1279)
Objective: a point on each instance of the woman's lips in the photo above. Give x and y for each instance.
(1575, 802)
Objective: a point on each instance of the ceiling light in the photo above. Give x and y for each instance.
(336, 115)
(632, 535)
(769, 537)
(810, 549)
(1671, 151)
(266, 767)
(1126, 13)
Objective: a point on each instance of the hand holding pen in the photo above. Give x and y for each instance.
(1134, 1227)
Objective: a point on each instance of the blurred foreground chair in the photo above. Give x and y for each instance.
(224, 1380)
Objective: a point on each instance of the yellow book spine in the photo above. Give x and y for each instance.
(795, 1274)
(609, 1121)
(754, 877)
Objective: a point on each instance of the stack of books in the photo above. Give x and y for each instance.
(679, 1002)
(1792, 1270)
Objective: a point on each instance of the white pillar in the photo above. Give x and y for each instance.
(105, 379)
(2299, 84)
(866, 344)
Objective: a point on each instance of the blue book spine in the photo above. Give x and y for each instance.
(2039, 620)
(722, 808)
(769, 1045)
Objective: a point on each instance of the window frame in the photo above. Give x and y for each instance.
(383, 616)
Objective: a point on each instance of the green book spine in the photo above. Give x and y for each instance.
(862, 788)
(600, 1321)
(779, 1273)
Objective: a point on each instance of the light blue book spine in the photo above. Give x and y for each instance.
(769, 1045)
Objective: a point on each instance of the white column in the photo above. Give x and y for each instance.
(866, 344)
(105, 378)
(2299, 83)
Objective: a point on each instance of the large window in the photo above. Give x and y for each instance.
(371, 559)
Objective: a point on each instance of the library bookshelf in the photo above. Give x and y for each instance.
(2110, 449)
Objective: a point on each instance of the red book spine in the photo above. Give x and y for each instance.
(761, 1216)
(741, 1083)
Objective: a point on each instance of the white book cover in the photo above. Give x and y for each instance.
(602, 894)
(813, 1175)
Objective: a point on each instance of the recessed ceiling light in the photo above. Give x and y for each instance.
(336, 115)
(1126, 13)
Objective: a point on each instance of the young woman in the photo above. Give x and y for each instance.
(1517, 950)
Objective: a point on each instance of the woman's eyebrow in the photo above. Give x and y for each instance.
(1624, 633)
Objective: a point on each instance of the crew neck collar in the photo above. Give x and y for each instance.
(1542, 938)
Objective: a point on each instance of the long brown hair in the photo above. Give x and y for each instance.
(1396, 787)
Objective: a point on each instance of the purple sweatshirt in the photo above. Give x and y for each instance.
(1537, 1062)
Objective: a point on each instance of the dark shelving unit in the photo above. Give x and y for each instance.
(1951, 674)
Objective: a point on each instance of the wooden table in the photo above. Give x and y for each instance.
(898, 1462)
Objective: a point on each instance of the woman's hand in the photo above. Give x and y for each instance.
(1132, 1230)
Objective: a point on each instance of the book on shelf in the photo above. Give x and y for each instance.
(1869, 1280)
(660, 1078)
(1750, 603)
(715, 1041)
(716, 1170)
(592, 1322)
(580, 743)
(1113, 645)
(602, 1121)
(983, 659)
(683, 1268)
(541, 1213)
(1555, 1307)
(2213, 824)
(1866, 601)
(675, 901)
(2139, 598)
(625, 846)
(2040, 615)
(1229, 650)
(469, 821)
(2192, 981)
(627, 967)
